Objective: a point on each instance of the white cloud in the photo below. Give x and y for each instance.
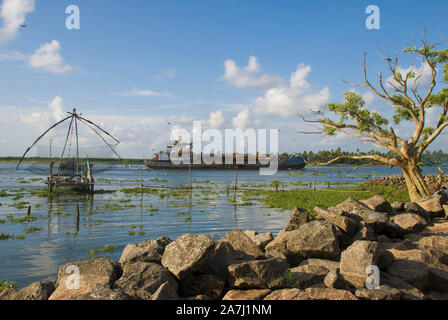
(242, 120)
(422, 76)
(47, 57)
(246, 77)
(297, 97)
(13, 14)
(13, 56)
(136, 92)
(216, 120)
(166, 74)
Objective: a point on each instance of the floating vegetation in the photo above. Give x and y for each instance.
(108, 248)
(29, 218)
(5, 236)
(158, 180)
(141, 233)
(6, 285)
(131, 233)
(32, 229)
(20, 205)
(20, 237)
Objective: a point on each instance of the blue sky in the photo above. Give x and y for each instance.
(134, 66)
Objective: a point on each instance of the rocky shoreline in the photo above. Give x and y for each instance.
(432, 181)
(326, 256)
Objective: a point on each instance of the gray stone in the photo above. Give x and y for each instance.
(146, 251)
(202, 284)
(410, 222)
(306, 276)
(187, 254)
(258, 274)
(378, 203)
(384, 292)
(166, 291)
(41, 290)
(335, 280)
(351, 204)
(346, 224)
(355, 260)
(251, 294)
(141, 280)
(298, 217)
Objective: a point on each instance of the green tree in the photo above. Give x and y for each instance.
(410, 102)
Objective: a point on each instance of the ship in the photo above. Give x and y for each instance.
(162, 160)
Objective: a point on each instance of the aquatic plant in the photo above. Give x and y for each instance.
(6, 285)
(32, 229)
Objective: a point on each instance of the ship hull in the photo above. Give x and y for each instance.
(283, 164)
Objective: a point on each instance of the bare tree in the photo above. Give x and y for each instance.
(410, 102)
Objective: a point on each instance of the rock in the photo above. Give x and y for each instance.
(311, 294)
(397, 206)
(8, 294)
(104, 292)
(252, 294)
(262, 240)
(277, 247)
(166, 291)
(94, 272)
(427, 256)
(316, 239)
(335, 280)
(147, 251)
(345, 223)
(445, 211)
(351, 204)
(306, 276)
(251, 234)
(413, 272)
(436, 229)
(202, 284)
(436, 296)
(327, 264)
(378, 203)
(409, 222)
(233, 248)
(432, 205)
(41, 290)
(438, 280)
(413, 207)
(363, 232)
(188, 254)
(439, 242)
(408, 292)
(141, 280)
(298, 217)
(258, 274)
(384, 292)
(377, 220)
(355, 260)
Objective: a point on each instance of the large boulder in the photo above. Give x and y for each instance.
(311, 294)
(384, 292)
(104, 292)
(434, 204)
(409, 222)
(408, 292)
(298, 217)
(351, 204)
(146, 251)
(202, 284)
(355, 260)
(141, 280)
(378, 203)
(251, 294)
(397, 206)
(377, 220)
(436, 242)
(187, 254)
(306, 276)
(413, 272)
(259, 274)
(41, 290)
(414, 207)
(316, 239)
(233, 248)
(337, 217)
(327, 264)
(94, 272)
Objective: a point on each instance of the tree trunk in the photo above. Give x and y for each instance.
(415, 182)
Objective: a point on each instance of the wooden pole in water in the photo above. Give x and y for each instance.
(77, 217)
(236, 182)
(29, 211)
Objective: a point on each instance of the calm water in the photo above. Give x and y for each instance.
(118, 218)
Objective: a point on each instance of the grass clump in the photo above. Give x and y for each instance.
(6, 285)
